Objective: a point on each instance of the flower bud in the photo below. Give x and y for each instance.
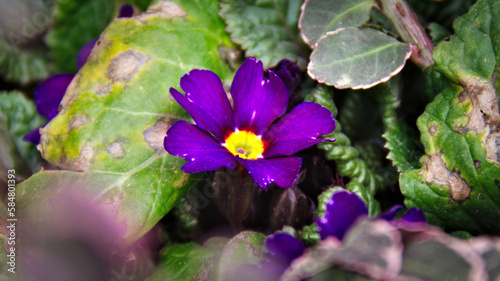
(289, 207)
(233, 193)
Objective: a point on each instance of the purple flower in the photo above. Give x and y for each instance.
(84, 53)
(344, 208)
(48, 95)
(290, 73)
(246, 133)
(283, 249)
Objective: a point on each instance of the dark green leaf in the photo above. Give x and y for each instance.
(76, 22)
(474, 51)
(321, 16)
(357, 58)
(18, 117)
(267, 30)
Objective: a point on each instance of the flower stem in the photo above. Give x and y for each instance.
(406, 23)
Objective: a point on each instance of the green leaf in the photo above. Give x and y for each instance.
(18, 117)
(115, 114)
(321, 16)
(357, 58)
(267, 30)
(457, 185)
(437, 32)
(76, 22)
(474, 51)
(23, 57)
(188, 261)
(247, 247)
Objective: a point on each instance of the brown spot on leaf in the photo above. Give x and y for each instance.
(83, 163)
(102, 90)
(154, 135)
(493, 148)
(484, 116)
(438, 173)
(78, 121)
(164, 9)
(116, 149)
(125, 65)
(433, 129)
(69, 95)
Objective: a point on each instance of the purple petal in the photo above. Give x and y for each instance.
(282, 171)
(298, 130)
(198, 147)
(49, 93)
(285, 247)
(84, 53)
(258, 101)
(414, 215)
(33, 136)
(341, 212)
(126, 11)
(207, 102)
(290, 73)
(391, 214)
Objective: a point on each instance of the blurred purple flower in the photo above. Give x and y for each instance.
(48, 95)
(126, 11)
(245, 134)
(84, 53)
(344, 208)
(283, 249)
(290, 73)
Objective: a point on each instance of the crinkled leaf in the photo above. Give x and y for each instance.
(188, 261)
(115, 114)
(357, 58)
(458, 184)
(267, 30)
(474, 51)
(23, 57)
(403, 145)
(321, 16)
(373, 248)
(18, 117)
(76, 22)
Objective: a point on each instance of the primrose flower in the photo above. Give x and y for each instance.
(246, 133)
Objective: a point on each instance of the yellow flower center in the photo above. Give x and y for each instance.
(245, 144)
